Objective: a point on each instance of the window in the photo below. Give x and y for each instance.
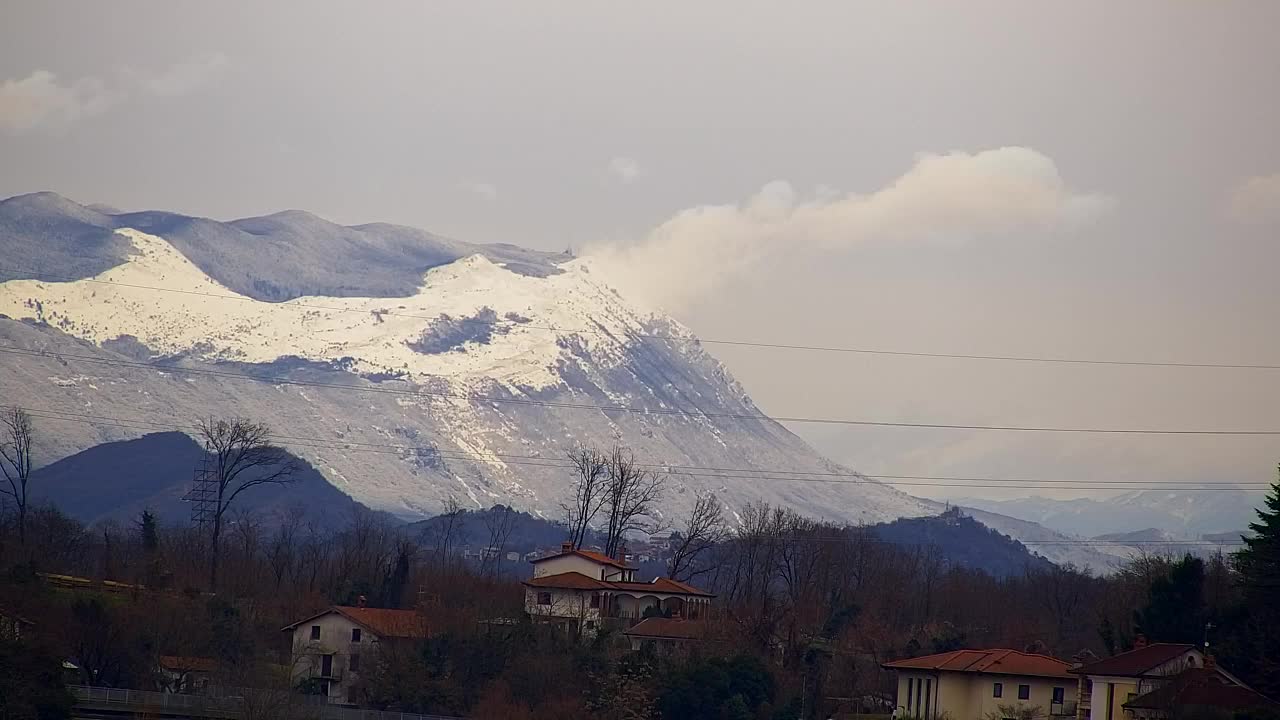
(591, 624)
(1059, 695)
(928, 696)
(315, 632)
(326, 666)
(919, 691)
(1024, 692)
(351, 694)
(355, 635)
(354, 663)
(997, 690)
(911, 687)
(595, 600)
(544, 598)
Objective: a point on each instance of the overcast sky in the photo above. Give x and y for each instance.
(1092, 179)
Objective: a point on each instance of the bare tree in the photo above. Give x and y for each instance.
(15, 461)
(629, 498)
(243, 457)
(282, 551)
(447, 531)
(590, 475)
(704, 530)
(499, 521)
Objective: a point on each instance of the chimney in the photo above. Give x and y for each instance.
(362, 601)
(566, 546)
(1210, 662)
(1139, 642)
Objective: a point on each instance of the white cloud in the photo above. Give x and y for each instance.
(957, 196)
(1256, 200)
(482, 189)
(41, 100)
(624, 168)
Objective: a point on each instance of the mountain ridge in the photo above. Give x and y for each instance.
(399, 409)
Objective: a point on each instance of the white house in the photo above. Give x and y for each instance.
(1108, 684)
(577, 590)
(332, 648)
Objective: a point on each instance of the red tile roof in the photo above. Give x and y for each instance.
(179, 663)
(577, 581)
(569, 581)
(590, 555)
(383, 622)
(663, 585)
(1200, 687)
(1136, 662)
(996, 662)
(666, 628)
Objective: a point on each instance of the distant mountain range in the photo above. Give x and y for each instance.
(405, 368)
(1183, 515)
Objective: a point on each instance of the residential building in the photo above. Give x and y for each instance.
(665, 635)
(1106, 685)
(973, 684)
(1198, 692)
(578, 590)
(185, 675)
(332, 648)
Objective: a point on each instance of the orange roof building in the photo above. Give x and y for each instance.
(976, 683)
(577, 590)
(332, 647)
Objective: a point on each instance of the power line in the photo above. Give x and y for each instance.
(533, 461)
(19, 272)
(697, 413)
(672, 468)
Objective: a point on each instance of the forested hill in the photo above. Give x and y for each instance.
(957, 539)
(118, 480)
(962, 541)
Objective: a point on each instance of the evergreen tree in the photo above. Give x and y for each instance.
(1175, 610)
(149, 536)
(1259, 561)
(1258, 566)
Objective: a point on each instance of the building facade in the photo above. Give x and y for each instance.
(331, 649)
(1110, 683)
(578, 591)
(975, 684)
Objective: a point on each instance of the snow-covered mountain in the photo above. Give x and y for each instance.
(407, 368)
(1183, 515)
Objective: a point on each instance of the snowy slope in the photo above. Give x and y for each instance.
(471, 370)
(1186, 514)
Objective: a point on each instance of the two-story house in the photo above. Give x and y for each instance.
(332, 648)
(975, 684)
(577, 590)
(1107, 685)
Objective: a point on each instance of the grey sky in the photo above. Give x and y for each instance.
(586, 123)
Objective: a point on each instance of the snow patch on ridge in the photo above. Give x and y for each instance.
(376, 336)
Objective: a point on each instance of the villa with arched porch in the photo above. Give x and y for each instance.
(580, 590)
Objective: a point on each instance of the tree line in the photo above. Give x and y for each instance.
(805, 611)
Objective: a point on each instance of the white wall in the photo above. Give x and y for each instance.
(335, 639)
(568, 563)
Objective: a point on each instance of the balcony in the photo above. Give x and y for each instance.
(1062, 709)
